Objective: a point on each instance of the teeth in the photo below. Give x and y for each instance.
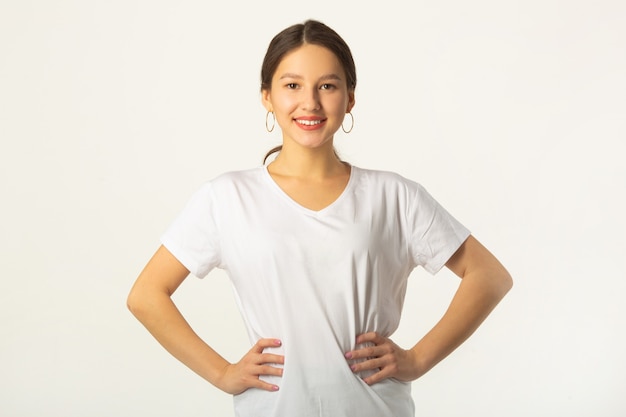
(309, 122)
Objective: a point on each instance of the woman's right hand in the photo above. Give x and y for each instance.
(150, 301)
(238, 377)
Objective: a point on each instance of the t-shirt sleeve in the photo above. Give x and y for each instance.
(193, 236)
(435, 235)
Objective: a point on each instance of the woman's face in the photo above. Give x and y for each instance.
(309, 96)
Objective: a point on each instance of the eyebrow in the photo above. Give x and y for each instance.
(322, 78)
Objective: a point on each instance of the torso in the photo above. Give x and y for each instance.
(315, 268)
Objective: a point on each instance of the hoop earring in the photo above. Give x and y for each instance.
(267, 118)
(351, 126)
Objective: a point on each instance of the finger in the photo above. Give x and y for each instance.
(265, 343)
(271, 358)
(368, 365)
(368, 337)
(269, 370)
(265, 370)
(365, 352)
(257, 383)
(376, 377)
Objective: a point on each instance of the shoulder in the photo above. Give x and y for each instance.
(238, 176)
(389, 180)
(236, 179)
(228, 183)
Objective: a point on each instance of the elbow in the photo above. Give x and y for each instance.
(496, 283)
(505, 282)
(131, 303)
(145, 301)
(135, 304)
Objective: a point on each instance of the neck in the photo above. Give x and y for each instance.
(300, 162)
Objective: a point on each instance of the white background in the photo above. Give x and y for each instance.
(511, 113)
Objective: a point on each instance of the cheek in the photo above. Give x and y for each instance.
(337, 101)
(337, 107)
(284, 105)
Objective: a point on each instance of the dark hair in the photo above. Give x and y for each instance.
(310, 32)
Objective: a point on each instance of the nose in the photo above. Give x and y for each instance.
(310, 99)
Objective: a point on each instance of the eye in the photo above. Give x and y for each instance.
(291, 86)
(327, 86)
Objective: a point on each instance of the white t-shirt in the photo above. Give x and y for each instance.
(316, 279)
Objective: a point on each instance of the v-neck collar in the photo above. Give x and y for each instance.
(300, 207)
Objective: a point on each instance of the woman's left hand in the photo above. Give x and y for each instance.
(385, 358)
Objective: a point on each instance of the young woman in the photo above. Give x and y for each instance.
(319, 252)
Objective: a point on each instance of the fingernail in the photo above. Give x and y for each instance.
(275, 387)
(278, 342)
(353, 367)
(349, 355)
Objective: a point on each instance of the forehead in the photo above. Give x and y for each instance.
(310, 60)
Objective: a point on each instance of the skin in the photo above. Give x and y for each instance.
(309, 84)
(484, 283)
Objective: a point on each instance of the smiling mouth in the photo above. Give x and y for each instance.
(308, 122)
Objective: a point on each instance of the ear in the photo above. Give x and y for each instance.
(266, 100)
(351, 101)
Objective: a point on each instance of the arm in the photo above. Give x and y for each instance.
(484, 283)
(150, 301)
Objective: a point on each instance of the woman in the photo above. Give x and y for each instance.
(319, 253)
